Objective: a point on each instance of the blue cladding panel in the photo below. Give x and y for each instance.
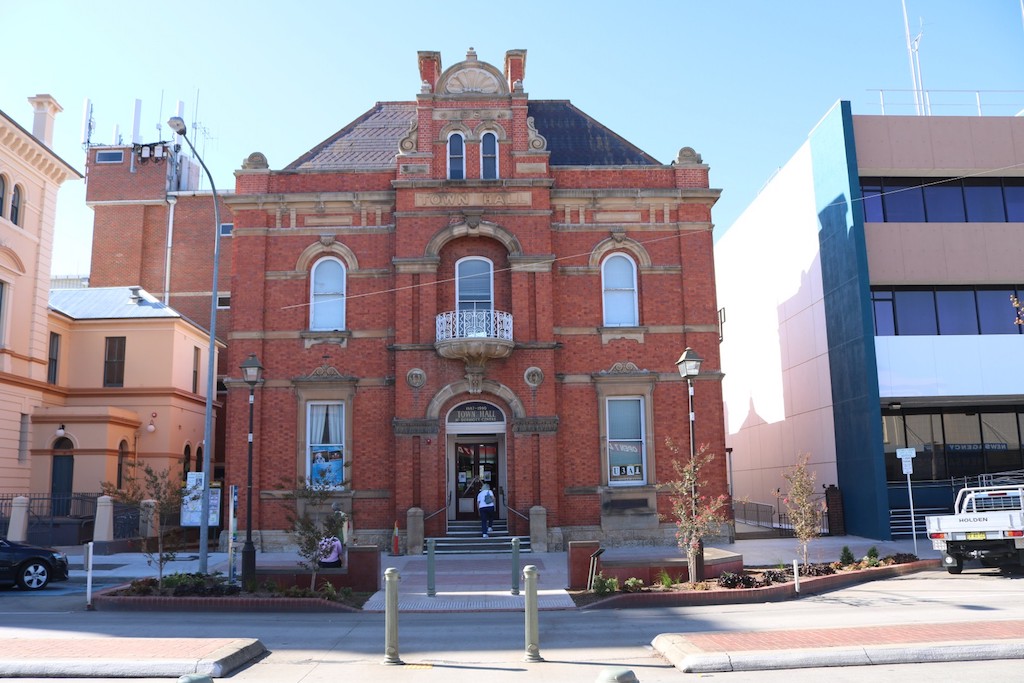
(848, 321)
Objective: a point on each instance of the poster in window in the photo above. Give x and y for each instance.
(625, 461)
(328, 467)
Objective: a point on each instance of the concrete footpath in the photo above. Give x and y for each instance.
(483, 583)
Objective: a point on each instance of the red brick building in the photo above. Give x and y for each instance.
(470, 287)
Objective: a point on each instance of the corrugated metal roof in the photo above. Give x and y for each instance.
(371, 141)
(109, 303)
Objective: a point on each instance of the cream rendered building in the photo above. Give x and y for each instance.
(30, 176)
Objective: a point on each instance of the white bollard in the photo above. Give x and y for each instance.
(391, 578)
(796, 576)
(616, 676)
(532, 625)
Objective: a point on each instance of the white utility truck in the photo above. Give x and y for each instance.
(987, 524)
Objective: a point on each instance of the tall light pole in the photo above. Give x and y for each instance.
(689, 367)
(178, 126)
(251, 373)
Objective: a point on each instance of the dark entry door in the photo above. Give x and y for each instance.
(476, 464)
(61, 479)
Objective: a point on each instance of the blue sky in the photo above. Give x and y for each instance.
(740, 81)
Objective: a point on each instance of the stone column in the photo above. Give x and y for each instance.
(103, 529)
(414, 531)
(539, 529)
(17, 528)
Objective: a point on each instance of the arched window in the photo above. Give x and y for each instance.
(474, 294)
(327, 295)
(122, 457)
(489, 156)
(186, 462)
(618, 279)
(456, 157)
(3, 195)
(16, 205)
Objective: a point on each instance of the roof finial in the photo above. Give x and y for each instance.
(471, 55)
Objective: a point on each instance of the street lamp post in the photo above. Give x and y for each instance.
(178, 126)
(689, 367)
(251, 373)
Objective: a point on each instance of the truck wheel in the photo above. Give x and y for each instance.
(954, 565)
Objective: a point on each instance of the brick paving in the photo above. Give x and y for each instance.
(903, 634)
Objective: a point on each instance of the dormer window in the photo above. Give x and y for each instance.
(489, 156)
(456, 157)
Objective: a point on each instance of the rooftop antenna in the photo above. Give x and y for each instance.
(88, 124)
(921, 100)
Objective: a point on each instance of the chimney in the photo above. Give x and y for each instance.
(134, 297)
(46, 110)
(515, 67)
(430, 67)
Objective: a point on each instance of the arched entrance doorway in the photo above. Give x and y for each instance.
(62, 475)
(475, 433)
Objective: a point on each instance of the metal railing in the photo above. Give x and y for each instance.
(469, 324)
(755, 514)
(786, 527)
(950, 102)
(51, 505)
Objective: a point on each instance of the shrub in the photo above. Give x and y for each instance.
(728, 580)
(665, 579)
(632, 585)
(846, 556)
(903, 558)
(873, 553)
(774, 576)
(816, 570)
(603, 586)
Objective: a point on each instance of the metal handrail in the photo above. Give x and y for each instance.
(504, 500)
(447, 504)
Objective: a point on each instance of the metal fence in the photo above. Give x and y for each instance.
(755, 514)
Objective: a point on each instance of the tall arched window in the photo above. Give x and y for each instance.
(16, 205)
(618, 279)
(327, 295)
(186, 464)
(456, 157)
(3, 195)
(474, 293)
(122, 458)
(489, 156)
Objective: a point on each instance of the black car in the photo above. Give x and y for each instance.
(29, 566)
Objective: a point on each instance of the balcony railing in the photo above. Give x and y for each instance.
(474, 324)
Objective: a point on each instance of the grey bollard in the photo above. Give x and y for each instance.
(391, 579)
(616, 676)
(515, 566)
(431, 590)
(532, 625)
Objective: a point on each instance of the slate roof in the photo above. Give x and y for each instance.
(371, 141)
(108, 303)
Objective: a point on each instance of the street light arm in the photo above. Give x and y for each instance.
(211, 372)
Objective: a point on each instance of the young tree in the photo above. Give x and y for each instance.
(697, 514)
(167, 494)
(313, 519)
(804, 512)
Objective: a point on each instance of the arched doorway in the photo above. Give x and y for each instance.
(62, 475)
(475, 432)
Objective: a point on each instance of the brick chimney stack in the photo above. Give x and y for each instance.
(46, 110)
(430, 67)
(515, 67)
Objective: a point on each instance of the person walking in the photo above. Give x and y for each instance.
(485, 503)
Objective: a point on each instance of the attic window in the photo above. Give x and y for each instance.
(489, 156)
(110, 157)
(456, 157)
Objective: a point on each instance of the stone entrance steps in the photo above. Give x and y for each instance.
(464, 538)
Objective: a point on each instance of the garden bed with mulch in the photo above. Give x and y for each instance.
(755, 584)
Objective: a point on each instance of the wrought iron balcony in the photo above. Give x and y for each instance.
(474, 336)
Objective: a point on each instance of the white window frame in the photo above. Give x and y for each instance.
(227, 229)
(449, 157)
(313, 294)
(619, 479)
(606, 290)
(336, 473)
(110, 154)
(223, 301)
(483, 156)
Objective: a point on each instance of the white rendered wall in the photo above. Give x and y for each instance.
(777, 388)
